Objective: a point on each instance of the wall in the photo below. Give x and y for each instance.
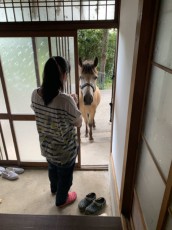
(127, 31)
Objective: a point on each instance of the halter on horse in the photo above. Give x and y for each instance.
(89, 93)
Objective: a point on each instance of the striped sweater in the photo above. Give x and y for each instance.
(56, 127)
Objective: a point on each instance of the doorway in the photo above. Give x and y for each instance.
(100, 43)
(26, 58)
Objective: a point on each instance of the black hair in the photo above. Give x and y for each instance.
(52, 83)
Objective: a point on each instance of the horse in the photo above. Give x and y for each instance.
(89, 96)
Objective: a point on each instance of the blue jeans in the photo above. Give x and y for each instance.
(61, 177)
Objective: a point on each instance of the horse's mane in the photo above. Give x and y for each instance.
(89, 68)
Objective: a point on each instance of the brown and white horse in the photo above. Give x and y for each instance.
(89, 97)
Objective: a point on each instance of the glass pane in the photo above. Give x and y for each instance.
(43, 14)
(111, 12)
(85, 13)
(55, 10)
(26, 14)
(2, 15)
(8, 140)
(54, 46)
(158, 125)
(42, 53)
(10, 14)
(93, 11)
(71, 59)
(64, 46)
(18, 14)
(149, 182)
(102, 13)
(76, 13)
(28, 141)
(2, 101)
(34, 13)
(19, 72)
(51, 12)
(163, 50)
(68, 11)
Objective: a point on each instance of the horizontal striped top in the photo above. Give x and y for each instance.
(56, 127)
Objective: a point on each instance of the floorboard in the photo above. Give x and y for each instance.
(55, 222)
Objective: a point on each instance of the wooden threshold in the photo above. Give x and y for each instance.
(62, 222)
(43, 165)
(93, 167)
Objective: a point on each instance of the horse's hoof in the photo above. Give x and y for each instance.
(91, 139)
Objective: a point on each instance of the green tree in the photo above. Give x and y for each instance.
(91, 44)
(102, 72)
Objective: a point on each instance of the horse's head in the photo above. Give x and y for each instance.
(88, 77)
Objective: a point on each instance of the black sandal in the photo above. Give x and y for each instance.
(95, 206)
(86, 201)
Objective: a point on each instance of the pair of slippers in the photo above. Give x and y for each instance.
(10, 173)
(91, 205)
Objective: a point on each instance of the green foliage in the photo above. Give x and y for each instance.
(111, 52)
(90, 43)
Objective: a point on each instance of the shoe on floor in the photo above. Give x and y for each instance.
(15, 169)
(2, 169)
(10, 175)
(95, 206)
(86, 201)
(70, 199)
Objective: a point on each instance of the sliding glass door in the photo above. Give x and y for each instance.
(153, 187)
(21, 64)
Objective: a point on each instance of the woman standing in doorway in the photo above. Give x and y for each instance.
(57, 117)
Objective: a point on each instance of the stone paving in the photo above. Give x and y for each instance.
(97, 152)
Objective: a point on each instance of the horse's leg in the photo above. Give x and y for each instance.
(94, 124)
(86, 124)
(90, 132)
(91, 123)
(86, 129)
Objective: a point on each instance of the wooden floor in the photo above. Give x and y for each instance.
(56, 222)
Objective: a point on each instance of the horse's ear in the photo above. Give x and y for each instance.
(80, 61)
(95, 61)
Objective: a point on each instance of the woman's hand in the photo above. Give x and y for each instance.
(75, 97)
